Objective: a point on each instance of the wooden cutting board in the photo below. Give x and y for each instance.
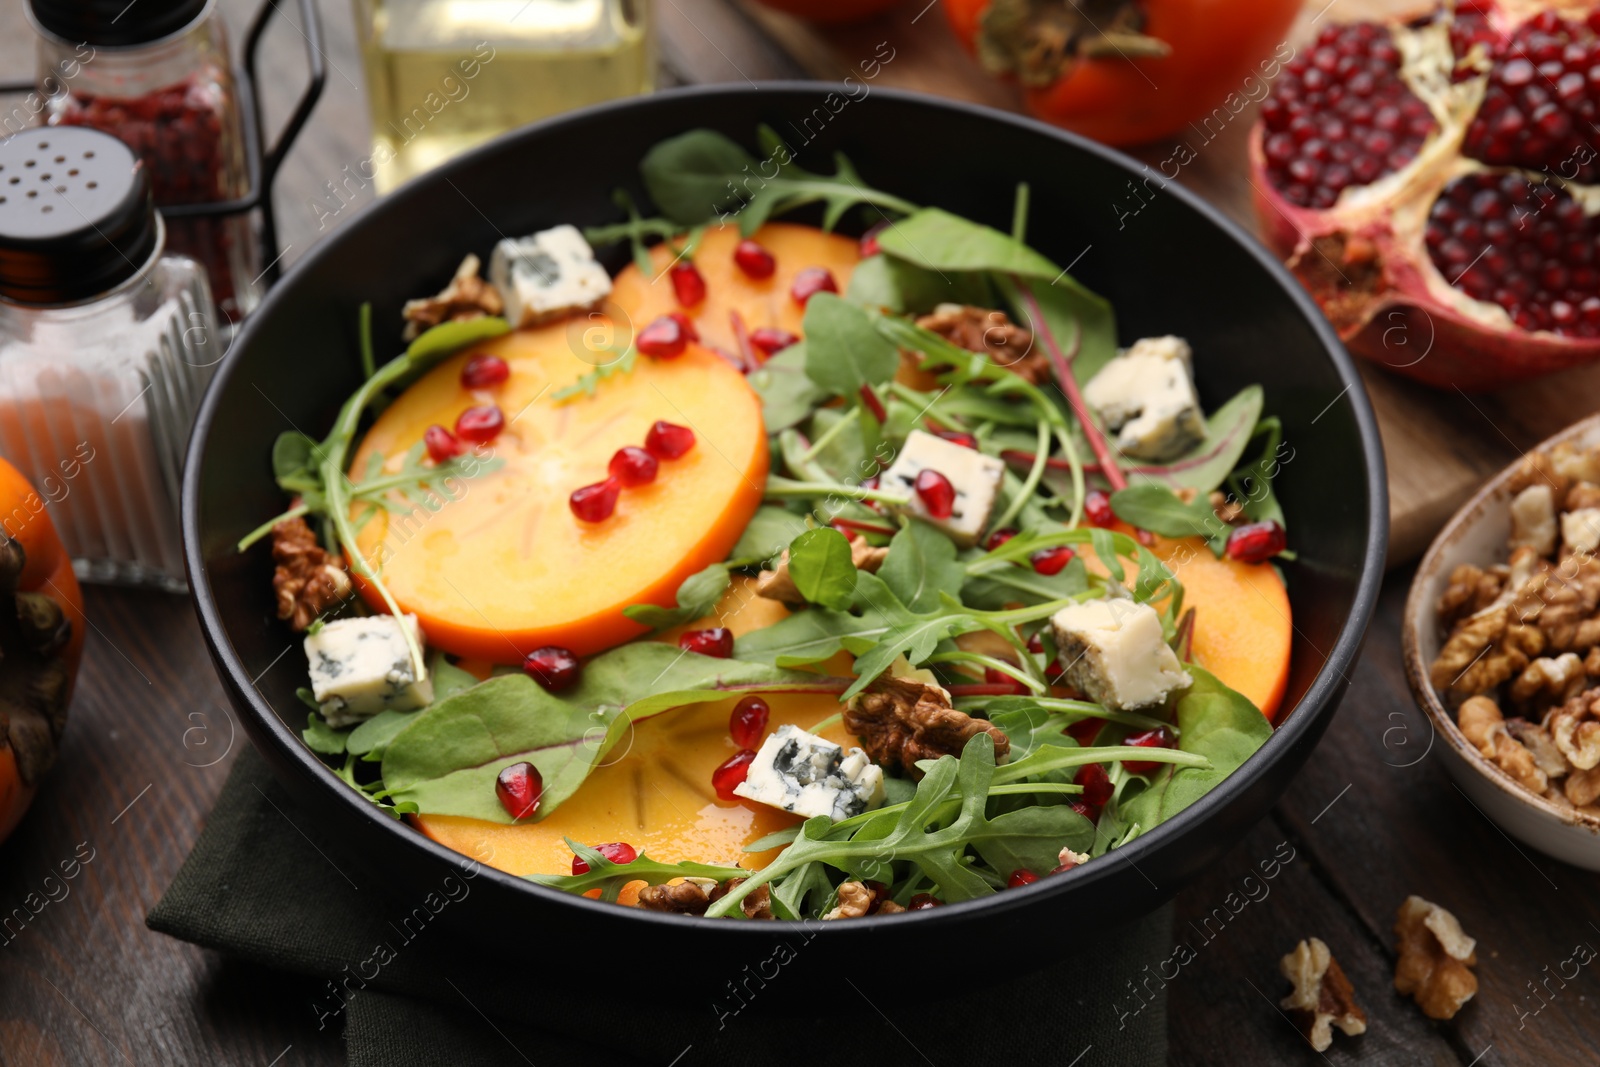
(1440, 444)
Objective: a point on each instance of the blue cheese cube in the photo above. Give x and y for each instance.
(800, 772)
(1116, 653)
(547, 275)
(1146, 398)
(974, 476)
(360, 667)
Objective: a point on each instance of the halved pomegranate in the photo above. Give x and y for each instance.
(1431, 183)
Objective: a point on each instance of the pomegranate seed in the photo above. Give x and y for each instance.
(665, 338)
(994, 677)
(922, 901)
(519, 788)
(958, 437)
(869, 240)
(1090, 813)
(1036, 643)
(1052, 560)
(482, 371)
(938, 496)
(1097, 787)
(1160, 737)
(748, 722)
(441, 443)
(754, 260)
(615, 851)
(872, 403)
(1256, 542)
(595, 503)
(716, 641)
(1084, 731)
(687, 283)
(1021, 877)
(811, 281)
(480, 424)
(1097, 508)
(685, 324)
(633, 466)
(731, 773)
(769, 340)
(999, 537)
(1066, 866)
(553, 667)
(668, 440)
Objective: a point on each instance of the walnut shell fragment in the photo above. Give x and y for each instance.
(901, 721)
(1322, 997)
(1436, 958)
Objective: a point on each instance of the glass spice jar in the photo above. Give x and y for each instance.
(160, 80)
(106, 343)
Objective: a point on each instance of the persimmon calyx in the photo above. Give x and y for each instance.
(34, 678)
(1040, 40)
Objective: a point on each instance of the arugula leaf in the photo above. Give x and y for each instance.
(295, 458)
(1203, 468)
(844, 351)
(811, 636)
(1031, 838)
(769, 532)
(998, 588)
(610, 877)
(703, 175)
(320, 737)
(448, 338)
(1214, 722)
(1158, 509)
(697, 597)
(635, 230)
(446, 759)
(788, 395)
(1081, 322)
(921, 564)
(821, 567)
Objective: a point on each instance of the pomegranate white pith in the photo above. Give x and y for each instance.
(1430, 184)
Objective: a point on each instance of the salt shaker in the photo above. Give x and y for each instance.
(106, 342)
(157, 75)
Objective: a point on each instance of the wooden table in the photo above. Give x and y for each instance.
(1373, 818)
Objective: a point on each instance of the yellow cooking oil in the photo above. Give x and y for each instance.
(446, 75)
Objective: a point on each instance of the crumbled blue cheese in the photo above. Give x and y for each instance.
(1116, 653)
(1146, 397)
(360, 667)
(547, 275)
(803, 773)
(974, 476)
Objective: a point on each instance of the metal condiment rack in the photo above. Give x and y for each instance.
(261, 163)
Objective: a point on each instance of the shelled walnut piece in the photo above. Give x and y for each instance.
(693, 896)
(306, 581)
(992, 334)
(858, 899)
(1322, 997)
(1436, 958)
(468, 296)
(901, 721)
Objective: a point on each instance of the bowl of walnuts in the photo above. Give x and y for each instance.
(1502, 646)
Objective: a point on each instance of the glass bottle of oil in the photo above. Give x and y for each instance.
(445, 75)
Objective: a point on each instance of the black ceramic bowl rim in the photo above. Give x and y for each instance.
(1304, 716)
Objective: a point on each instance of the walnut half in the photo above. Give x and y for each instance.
(307, 581)
(468, 296)
(1435, 959)
(901, 721)
(1322, 997)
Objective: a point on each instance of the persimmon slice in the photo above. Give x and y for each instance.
(759, 302)
(506, 567)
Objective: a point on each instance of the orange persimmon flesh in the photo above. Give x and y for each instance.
(759, 303)
(654, 791)
(1242, 623)
(506, 567)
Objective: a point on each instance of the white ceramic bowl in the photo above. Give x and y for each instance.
(1477, 534)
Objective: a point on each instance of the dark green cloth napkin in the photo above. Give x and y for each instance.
(261, 885)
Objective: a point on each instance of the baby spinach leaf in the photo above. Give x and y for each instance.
(768, 533)
(1031, 838)
(938, 241)
(821, 567)
(788, 395)
(690, 177)
(905, 288)
(295, 459)
(811, 636)
(371, 737)
(697, 597)
(844, 351)
(1205, 467)
(921, 563)
(448, 338)
(1065, 315)
(320, 737)
(1214, 722)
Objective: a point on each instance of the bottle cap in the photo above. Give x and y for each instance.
(114, 23)
(76, 217)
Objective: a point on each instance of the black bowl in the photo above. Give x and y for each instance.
(1175, 266)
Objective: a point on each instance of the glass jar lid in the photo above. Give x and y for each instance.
(76, 217)
(115, 23)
